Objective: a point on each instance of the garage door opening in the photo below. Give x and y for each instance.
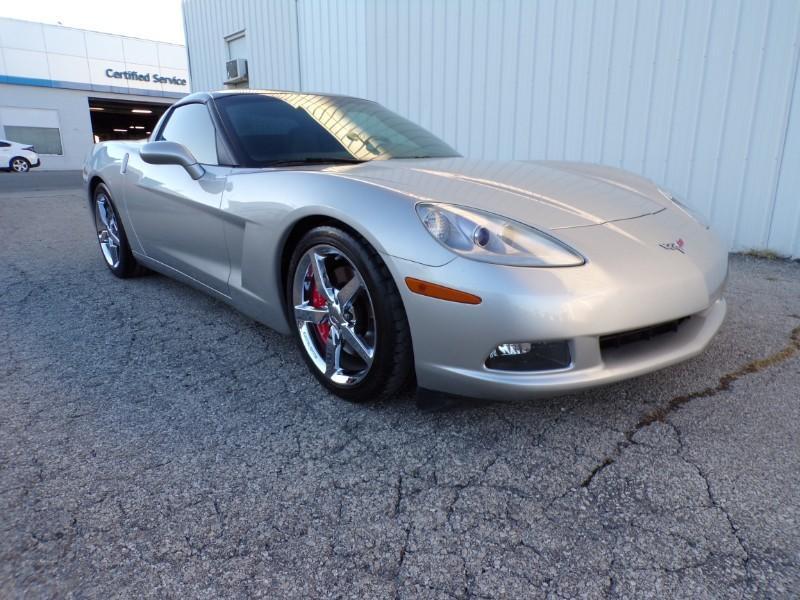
(123, 120)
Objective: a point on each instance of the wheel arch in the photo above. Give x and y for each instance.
(296, 232)
(93, 183)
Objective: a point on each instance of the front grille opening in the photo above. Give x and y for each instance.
(623, 338)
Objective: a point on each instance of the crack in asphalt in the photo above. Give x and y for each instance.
(660, 413)
(401, 561)
(734, 529)
(710, 493)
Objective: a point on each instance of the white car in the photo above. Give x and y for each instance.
(17, 157)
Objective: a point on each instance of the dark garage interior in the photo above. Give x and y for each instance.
(123, 120)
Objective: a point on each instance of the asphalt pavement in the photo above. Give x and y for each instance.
(38, 181)
(155, 443)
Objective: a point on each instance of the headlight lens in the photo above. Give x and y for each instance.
(487, 237)
(693, 214)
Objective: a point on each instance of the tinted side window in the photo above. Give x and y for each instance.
(269, 129)
(191, 126)
(4, 145)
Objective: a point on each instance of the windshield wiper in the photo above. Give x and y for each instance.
(313, 160)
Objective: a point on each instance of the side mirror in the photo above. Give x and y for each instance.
(171, 153)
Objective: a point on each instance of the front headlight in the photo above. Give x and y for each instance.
(487, 237)
(693, 214)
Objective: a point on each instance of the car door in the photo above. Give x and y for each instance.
(177, 220)
(5, 154)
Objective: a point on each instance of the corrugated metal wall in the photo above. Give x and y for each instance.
(699, 95)
(271, 36)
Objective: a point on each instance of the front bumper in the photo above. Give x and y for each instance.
(578, 305)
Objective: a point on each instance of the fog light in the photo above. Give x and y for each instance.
(510, 349)
(530, 356)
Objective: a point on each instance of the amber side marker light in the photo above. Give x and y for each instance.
(425, 288)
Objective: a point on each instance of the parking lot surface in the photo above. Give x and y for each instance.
(155, 443)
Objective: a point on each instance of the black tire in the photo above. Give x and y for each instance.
(24, 165)
(127, 266)
(392, 363)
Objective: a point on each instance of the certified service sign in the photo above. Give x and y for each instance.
(136, 76)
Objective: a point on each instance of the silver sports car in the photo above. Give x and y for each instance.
(392, 258)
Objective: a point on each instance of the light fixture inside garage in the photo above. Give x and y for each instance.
(119, 117)
(96, 108)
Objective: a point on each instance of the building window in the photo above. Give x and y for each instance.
(45, 140)
(237, 45)
(236, 67)
(37, 127)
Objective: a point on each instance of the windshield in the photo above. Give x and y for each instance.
(284, 128)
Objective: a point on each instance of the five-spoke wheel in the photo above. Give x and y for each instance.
(105, 220)
(111, 235)
(334, 314)
(20, 164)
(348, 315)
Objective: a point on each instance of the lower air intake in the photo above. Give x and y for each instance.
(623, 338)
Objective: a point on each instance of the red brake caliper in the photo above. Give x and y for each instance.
(318, 301)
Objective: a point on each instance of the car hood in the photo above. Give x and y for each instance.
(545, 194)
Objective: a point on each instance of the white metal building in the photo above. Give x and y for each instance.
(62, 88)
(701, 96)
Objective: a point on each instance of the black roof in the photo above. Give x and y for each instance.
(205, 96)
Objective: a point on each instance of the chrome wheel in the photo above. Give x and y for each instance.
(20, 165)
(106, 222)
(335, 316)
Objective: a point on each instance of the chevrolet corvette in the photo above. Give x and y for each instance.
(392, 259)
